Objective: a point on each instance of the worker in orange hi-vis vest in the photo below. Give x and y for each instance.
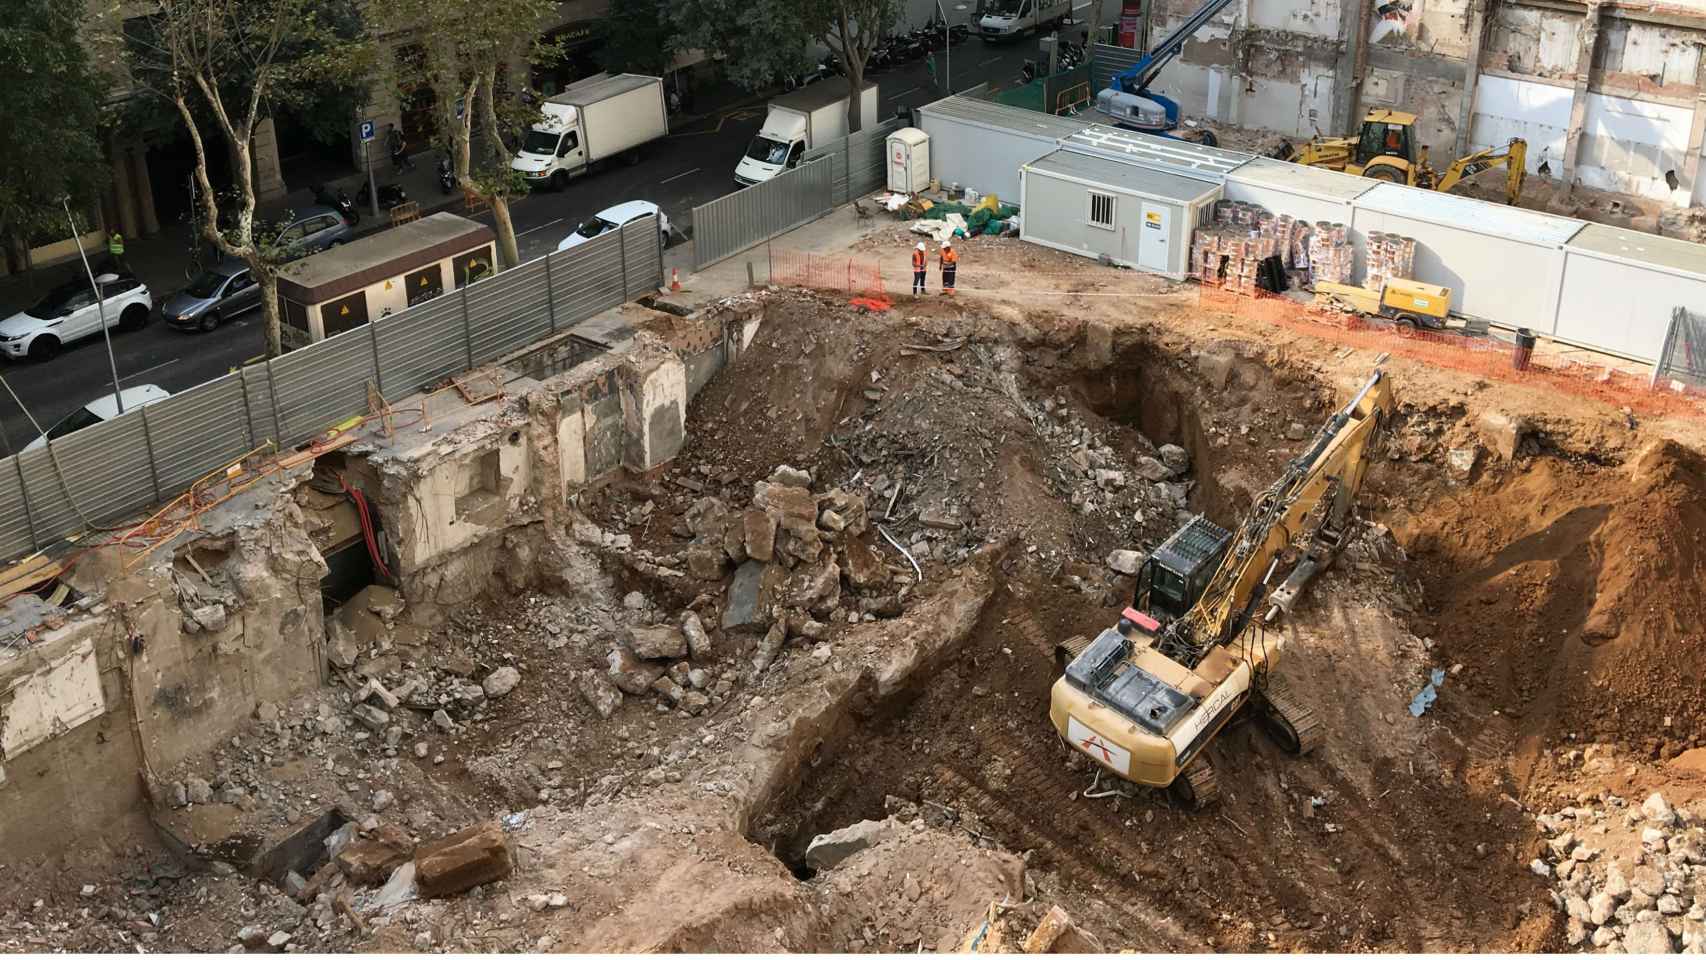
(919, 260)
(950, 260)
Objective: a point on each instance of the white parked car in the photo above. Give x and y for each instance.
(100, 410)
(614, 218)
(69, 312)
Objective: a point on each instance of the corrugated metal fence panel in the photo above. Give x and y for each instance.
(508, 310)
(1107, 60)
(421, 346)
(198, 431)
(257, 390)
(106, 468)
(642, 257)
(15, 534)
(726, 226)
(859, 159)
(588, 280)
(323, 382)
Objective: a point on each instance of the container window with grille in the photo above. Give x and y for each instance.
(1102, 210)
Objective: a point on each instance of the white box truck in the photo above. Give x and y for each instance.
(1011, 19)
(799, 121)
(588, 123)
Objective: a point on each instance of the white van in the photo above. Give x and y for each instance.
(1011, 19)
(590, 122)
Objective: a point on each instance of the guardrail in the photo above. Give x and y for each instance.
(148, 455)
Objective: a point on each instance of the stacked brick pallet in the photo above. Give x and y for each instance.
(1229, 251)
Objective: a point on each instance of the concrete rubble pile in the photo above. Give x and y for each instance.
(1651, 900)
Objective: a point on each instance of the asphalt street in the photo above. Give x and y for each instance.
(693, 165)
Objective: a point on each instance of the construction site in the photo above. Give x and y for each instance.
(752, 632)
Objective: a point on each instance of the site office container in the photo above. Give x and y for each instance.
(979, 144)
(1308, 194)
(1502, 264)
(382, 274)
(1095, 206)
(1621, 287)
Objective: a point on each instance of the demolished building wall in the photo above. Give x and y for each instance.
(166, 657)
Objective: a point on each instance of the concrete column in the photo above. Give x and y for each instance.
(1586, 39)
(144, 188)
(1696, 136)
(1471, 75)
(1347, 73)
(124, 196)
(269, 179)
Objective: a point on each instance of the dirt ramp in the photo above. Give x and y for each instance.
(1571, 593)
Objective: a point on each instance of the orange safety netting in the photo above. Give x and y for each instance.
(858, 277)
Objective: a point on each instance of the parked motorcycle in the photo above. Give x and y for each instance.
(390, 195)
(339, 201)
(446, 176)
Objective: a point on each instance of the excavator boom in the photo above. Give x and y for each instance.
(1142, 699)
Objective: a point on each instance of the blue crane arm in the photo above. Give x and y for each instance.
(1137, 77)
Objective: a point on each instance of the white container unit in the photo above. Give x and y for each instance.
(1095, 206)
(1309, 194)
(1620, 287)
(1503, 264)
(981, 144)
(909, 160)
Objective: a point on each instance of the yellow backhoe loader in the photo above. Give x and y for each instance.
(1387, 150)
(1143, 698)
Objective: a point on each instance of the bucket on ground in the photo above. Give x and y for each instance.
(1524, 348)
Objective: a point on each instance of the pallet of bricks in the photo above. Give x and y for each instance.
(1229, 252)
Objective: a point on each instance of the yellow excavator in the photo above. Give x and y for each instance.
(1143, 698)
(1386, 150)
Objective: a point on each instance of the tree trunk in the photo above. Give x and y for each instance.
(508, 254)
(855, 82)
(270, 319)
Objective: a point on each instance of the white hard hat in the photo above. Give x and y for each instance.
(920, 244)
(948, 242)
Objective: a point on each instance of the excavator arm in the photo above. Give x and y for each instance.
(1331, 468)
(1512, 156)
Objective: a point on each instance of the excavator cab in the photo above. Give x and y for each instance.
(1172, 579)
(1386, 134)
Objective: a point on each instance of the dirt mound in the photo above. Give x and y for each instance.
(1571, 594)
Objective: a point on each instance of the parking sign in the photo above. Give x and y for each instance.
(366, 130)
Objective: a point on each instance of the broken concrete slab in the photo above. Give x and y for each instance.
(371, 860)
(939, 518)
(658, 643)
(1125, 561)
(698, 640)
(629, 673)
(759, 535)
(782, 501)
(467, 858)
(751, 596)
(371, 717)
(828, 849)
(501, 681)
(599, 692)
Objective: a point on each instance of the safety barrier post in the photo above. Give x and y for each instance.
(148, 442)
(550, 295)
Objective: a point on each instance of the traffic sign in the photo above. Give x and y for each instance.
(367, 130)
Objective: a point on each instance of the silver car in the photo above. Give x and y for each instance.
(212, 298)
(312, 230)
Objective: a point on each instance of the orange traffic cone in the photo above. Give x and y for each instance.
(675, 279)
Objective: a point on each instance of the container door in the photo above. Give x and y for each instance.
(1152, 233)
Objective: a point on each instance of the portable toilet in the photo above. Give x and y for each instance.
(909, 160)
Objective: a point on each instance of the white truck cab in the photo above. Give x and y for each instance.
(1011, 19)
(800, 121)
(590, 122)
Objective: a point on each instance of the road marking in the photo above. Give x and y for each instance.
(679, 176)
(897, 96)
(989, 61)
(149, 370)
(540, 227)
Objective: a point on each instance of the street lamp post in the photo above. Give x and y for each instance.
(100, 302)
(947, 47)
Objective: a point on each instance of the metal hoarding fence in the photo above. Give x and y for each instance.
(125, 465)
(747, 217)
(1683, 358)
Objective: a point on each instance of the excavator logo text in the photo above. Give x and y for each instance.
(1097, 747)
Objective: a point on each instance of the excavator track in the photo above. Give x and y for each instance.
(1196, 786)
(1290, 721)
(1068, 650)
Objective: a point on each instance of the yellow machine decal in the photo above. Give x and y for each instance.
(1098, 748)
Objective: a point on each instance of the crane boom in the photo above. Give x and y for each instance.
(1128, 101)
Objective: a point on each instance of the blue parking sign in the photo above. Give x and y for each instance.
(366, 130)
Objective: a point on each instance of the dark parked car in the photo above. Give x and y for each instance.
(212, 298)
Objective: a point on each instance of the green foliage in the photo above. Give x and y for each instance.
(758, 41)
(52, 123)
(639, 37)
